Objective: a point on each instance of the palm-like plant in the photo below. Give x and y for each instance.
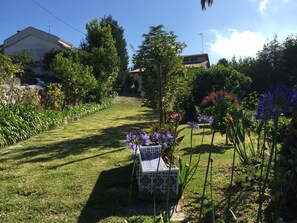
(204, 2)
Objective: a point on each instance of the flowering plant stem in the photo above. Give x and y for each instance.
(131, 179)
(232, 175)
(203, 133)
(191, 148)
(271, 156)
(211, 199)
(169, 171)
(259, 215)
(206, 175)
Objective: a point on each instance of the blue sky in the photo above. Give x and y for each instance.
(230, 28)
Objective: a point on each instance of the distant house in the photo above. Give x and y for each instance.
(195, 60)
(36, 43)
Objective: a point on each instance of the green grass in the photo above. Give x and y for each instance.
(242, 201)
(67, 174)
(81, 172)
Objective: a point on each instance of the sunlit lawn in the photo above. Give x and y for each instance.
(81, 171)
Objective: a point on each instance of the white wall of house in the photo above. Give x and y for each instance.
(35, 46)
(36, 43)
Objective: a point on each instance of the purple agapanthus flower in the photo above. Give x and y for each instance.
(144, 139)
(202, 118)
(193, 125)
(156, 136)
(164, 139)
(134, 139)
(279, 99)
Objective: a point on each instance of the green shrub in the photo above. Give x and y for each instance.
(31, 96)
(53, 96)
(19, 122)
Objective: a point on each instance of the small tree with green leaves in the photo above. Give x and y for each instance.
(77, 80)
(24, 60)
(7, 68)
(161, 62)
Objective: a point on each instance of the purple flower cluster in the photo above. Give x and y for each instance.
(193, 125)
(164, 139)
(279, 99)
(202, 118)
(134, 139)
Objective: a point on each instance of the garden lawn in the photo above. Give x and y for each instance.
(80, 172)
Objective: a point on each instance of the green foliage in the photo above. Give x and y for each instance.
(7, 68)
(19, 122)
(49, 57)
(241, 134)
(121, 46)
(102, 57)
(186, 174)
(164, 217)
(53, 97)
(220, 105)
(159, 56)
(218, 77)
(24, 60)
(250, 102)
(274, 64)
(77, 80)
(31, 96)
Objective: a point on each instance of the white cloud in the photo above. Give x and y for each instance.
(268, 5)
(263, 6)
(238, 44)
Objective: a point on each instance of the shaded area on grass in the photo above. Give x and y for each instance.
(222, 211)
(108, 138)
(205, 148)
(109, 195)
(86, 158)
(143, 115)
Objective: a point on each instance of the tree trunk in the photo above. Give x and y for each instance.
(160, 96)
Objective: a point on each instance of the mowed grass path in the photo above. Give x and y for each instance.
(80, 172)
(76, 173)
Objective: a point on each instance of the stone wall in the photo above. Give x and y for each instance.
(12, 94)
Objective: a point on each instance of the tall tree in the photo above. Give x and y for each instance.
(289, 60)
(159, 58)
(120, 44)
(103, 57)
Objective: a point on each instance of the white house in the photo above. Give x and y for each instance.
(36, 43)
(197, 60)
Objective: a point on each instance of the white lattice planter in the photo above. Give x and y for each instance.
(147, 158)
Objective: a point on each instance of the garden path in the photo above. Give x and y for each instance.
(78, 172)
